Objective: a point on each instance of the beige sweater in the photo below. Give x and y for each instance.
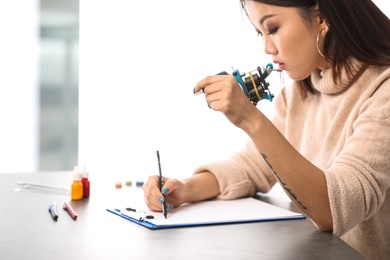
(345, 131)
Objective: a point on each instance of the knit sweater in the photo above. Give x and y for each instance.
(343, 129)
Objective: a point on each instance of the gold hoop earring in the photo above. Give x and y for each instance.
(318, 47)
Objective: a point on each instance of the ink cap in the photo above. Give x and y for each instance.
(118, 184)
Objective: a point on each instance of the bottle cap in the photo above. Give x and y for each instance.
(76, 174)
(84, 173)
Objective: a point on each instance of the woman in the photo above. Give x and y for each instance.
(328, 144)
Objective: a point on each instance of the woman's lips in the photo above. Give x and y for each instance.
(282, 66)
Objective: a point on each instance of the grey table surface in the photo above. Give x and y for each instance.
(27, 230)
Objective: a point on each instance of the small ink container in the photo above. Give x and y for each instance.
(77, 186)
(85, 181)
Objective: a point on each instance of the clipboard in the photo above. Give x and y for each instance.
(212, 212)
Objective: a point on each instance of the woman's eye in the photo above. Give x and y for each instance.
(272, 31)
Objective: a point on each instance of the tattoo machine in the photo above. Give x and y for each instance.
(253, 83)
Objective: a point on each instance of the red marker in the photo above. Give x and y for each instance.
(70, 210)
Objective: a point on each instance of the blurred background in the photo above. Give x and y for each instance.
(58, 84)
(39, 85)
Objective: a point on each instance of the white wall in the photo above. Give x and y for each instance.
(19, 86)
(139, 63)
(384, 5)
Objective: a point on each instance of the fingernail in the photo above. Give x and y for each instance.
(161, 199)
(169, 206)
(199, 92)
(164, 191)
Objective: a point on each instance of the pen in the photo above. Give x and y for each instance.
(53, 210)
(70, 210)
(164, 206)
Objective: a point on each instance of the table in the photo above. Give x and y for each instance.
(27, 230)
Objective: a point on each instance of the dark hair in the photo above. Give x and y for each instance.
(357, 29)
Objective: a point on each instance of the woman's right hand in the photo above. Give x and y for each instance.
(173, 190)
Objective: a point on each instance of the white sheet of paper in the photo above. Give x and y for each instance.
(218, 211)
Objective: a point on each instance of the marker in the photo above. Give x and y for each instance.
(53, 210)
(70, 210)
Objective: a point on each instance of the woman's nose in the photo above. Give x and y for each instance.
(269, 46)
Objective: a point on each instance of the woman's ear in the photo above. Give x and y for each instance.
(320, 19)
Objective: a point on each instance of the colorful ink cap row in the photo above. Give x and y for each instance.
(128, 183)
(81, 186)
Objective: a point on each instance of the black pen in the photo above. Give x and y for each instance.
(164, 206)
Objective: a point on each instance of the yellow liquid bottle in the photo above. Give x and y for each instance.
(77, 186)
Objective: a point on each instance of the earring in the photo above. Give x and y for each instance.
(318, 47)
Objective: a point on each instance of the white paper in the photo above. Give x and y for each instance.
(217, 211)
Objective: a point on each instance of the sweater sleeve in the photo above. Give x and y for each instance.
(244, 174)
(358, 179)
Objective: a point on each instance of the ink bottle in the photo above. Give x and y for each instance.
(77, 186)
(85, 181)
